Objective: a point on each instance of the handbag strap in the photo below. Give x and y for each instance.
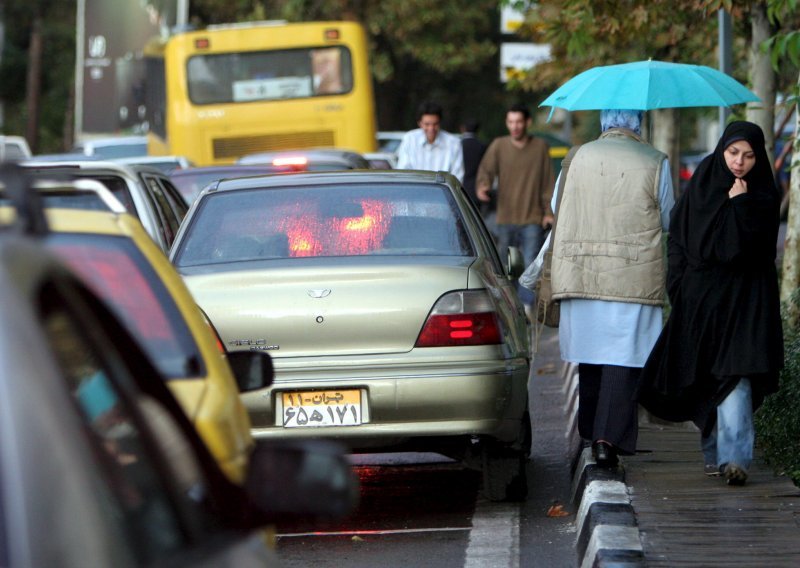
(562, 179)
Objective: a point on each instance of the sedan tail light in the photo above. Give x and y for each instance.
(461, 318)
(220, 344)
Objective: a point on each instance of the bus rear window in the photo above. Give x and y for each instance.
(269, 75)
(118, 272)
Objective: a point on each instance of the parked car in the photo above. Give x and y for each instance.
(96, 453)
(389, 141)
(165, 164)
(13, 148)
(392, 321)
(310, 160)
(80, 194)
(687, 165)
(145, 192)
(191, 181)
(122, 265)
(112, 147)
(381, 160)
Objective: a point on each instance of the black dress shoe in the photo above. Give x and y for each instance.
(605, 455)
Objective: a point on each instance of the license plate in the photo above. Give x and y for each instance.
(314, 409)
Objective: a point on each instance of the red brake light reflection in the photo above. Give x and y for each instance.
(290, 161)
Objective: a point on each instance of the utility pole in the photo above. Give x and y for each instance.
(80, 54)
(182, 14)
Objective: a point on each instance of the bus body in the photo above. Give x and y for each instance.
(231, 90)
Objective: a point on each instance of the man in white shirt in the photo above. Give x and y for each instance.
(429, 147)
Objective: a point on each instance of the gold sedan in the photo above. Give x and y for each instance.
(392, 321)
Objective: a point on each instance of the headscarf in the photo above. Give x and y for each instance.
(697, 215)
(621, 118)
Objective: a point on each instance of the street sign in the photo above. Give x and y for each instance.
(517, 58)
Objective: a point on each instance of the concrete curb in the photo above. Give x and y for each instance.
(607, 531)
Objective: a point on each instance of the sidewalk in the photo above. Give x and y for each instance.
(659, 509)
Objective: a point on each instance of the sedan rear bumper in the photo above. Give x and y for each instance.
(398, 409)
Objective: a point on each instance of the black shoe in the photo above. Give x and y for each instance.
(735, 474)
(604, 455)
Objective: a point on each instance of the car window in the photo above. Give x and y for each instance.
(169, 220)
(119, 273)
(176, 200)
(145, 506)
(332, 220)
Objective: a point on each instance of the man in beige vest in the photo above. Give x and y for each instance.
(608, 271)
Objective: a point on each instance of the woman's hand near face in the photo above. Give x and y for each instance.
(739, 187)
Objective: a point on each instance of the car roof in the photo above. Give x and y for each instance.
(112, 141)
(337, 156)
(336, 177)
(249, 169)
(94, 166)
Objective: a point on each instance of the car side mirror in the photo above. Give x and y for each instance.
(253, 370)
(515, 264)
(293, 479)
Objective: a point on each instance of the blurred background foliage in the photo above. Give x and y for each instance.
(445, 50)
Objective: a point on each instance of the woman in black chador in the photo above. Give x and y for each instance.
(722, 347)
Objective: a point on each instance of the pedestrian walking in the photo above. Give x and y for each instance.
(429, 147)
(523, 169)
(608, 273)
(722, 347)
(473, 149)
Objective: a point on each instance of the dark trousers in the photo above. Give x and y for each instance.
(606, 406)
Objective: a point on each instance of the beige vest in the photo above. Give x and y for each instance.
(608, 238)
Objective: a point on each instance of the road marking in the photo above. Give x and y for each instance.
(494, 538)
(379, 532)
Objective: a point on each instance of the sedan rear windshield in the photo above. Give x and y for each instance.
(325, 221)
(118, 272)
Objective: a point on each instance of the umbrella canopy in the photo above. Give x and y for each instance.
(646, 85)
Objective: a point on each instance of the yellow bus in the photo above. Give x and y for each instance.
(230, 90)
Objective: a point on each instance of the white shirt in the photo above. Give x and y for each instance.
(444, 154)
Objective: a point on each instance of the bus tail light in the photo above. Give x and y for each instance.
(461, 318)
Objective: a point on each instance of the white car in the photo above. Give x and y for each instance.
(14, 148)
(112, 147)
(145, 192)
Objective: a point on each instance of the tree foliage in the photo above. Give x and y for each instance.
(58, 19)
(587, 33)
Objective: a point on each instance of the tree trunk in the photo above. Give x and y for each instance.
(666, 138)
(790, 279)
(762, 77)
(34, 84)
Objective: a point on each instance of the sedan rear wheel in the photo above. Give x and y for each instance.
(504, 473)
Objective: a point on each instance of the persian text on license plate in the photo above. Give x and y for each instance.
(321, 408)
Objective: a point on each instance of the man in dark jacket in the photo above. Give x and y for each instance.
(474, 149)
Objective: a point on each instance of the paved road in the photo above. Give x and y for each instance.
(424, 510)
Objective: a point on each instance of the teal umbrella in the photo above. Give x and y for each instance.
(646, 85)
